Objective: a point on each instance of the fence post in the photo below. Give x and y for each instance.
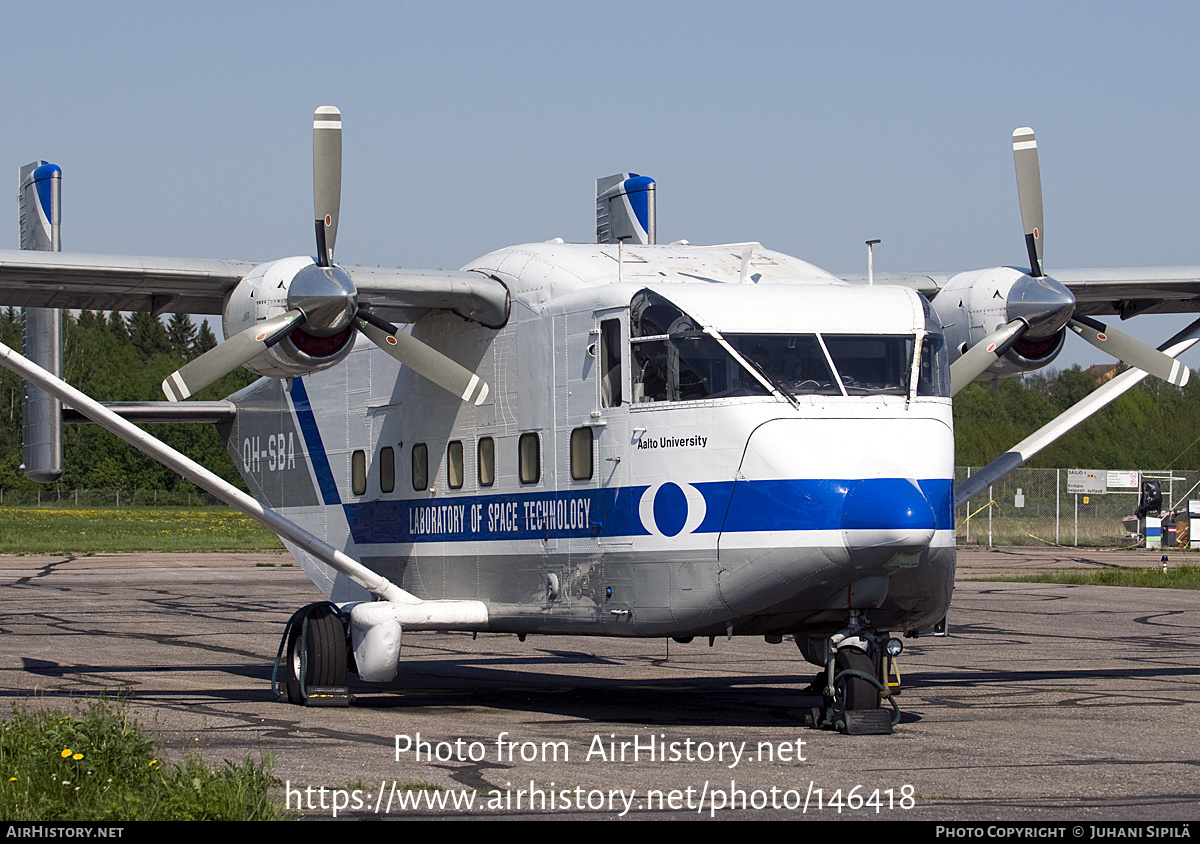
(990, 508)
(968, 539)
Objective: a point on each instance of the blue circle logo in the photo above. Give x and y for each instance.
(669, 509)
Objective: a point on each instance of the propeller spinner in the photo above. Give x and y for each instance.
(322, 301)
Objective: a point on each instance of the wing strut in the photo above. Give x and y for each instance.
(1081, 411)
(418, 613)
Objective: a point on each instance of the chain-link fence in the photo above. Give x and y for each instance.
(103, 498)
(1033, 507)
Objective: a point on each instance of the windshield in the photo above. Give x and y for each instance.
(795, 362)
(677, 360)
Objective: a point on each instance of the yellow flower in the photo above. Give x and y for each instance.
(66, 752)
(77, 756)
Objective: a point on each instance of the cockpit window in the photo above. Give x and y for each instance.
(674, 360)
(933, 373)
(688, 366)
(795, 362)
(650, 315)
(872, 364)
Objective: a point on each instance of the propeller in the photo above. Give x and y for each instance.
(323, 300)
(1039, 306)
(1121, 346)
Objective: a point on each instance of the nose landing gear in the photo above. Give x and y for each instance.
(859, 662)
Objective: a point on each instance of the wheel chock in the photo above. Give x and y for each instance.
(867, 722)
(327, 696)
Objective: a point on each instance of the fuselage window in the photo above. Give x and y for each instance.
(581, 454)
(420, 466)
(387, 469)
(358, 472)
(529, 449)
(610, 363)
(454, 464)
(487, 461)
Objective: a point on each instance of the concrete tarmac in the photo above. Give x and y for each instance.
(1046, 702)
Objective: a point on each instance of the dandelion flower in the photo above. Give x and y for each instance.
(66, 752)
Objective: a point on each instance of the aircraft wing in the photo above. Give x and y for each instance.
(200, 285)
(1125, 291)
(112, 282)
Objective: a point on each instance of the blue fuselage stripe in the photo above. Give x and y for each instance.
(755, 506)
(313, 444)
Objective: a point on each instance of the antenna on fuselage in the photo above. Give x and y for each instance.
(871, 261)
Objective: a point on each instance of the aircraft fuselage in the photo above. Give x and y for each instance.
(679, 441)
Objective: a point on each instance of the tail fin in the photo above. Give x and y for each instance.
(625, 209)
(39, 207)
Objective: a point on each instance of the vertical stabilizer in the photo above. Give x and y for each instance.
(39, 208)
(625, 209)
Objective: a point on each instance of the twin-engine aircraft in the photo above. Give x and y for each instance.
(619, 439)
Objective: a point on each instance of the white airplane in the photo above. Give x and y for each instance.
(617, 439)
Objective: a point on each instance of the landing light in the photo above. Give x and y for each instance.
(894, 647)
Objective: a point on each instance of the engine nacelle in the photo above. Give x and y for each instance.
(263, 294)
(974, 304)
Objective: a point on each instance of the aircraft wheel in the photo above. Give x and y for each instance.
(852, 693)
(316, 651)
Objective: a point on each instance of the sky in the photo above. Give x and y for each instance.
(184, 129)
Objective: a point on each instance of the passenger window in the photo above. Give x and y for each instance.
(420, 466)
(454, 464)
(487, 461)
(529, 448)
(581, 454)
(387, 469)
(358, 472)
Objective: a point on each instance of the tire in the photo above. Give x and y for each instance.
(324, 654)
(853, 694)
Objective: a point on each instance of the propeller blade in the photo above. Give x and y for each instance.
(239, 349)
(1131, 351)
(1029, 191)
(423, 359)
(983, 354)
(327, 179)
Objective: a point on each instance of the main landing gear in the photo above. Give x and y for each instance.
(310, 666)
(859, 663)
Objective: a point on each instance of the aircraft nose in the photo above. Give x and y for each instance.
(887, 521)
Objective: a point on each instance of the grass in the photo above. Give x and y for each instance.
(1177, 577)
(167, 529)
(96, 764)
